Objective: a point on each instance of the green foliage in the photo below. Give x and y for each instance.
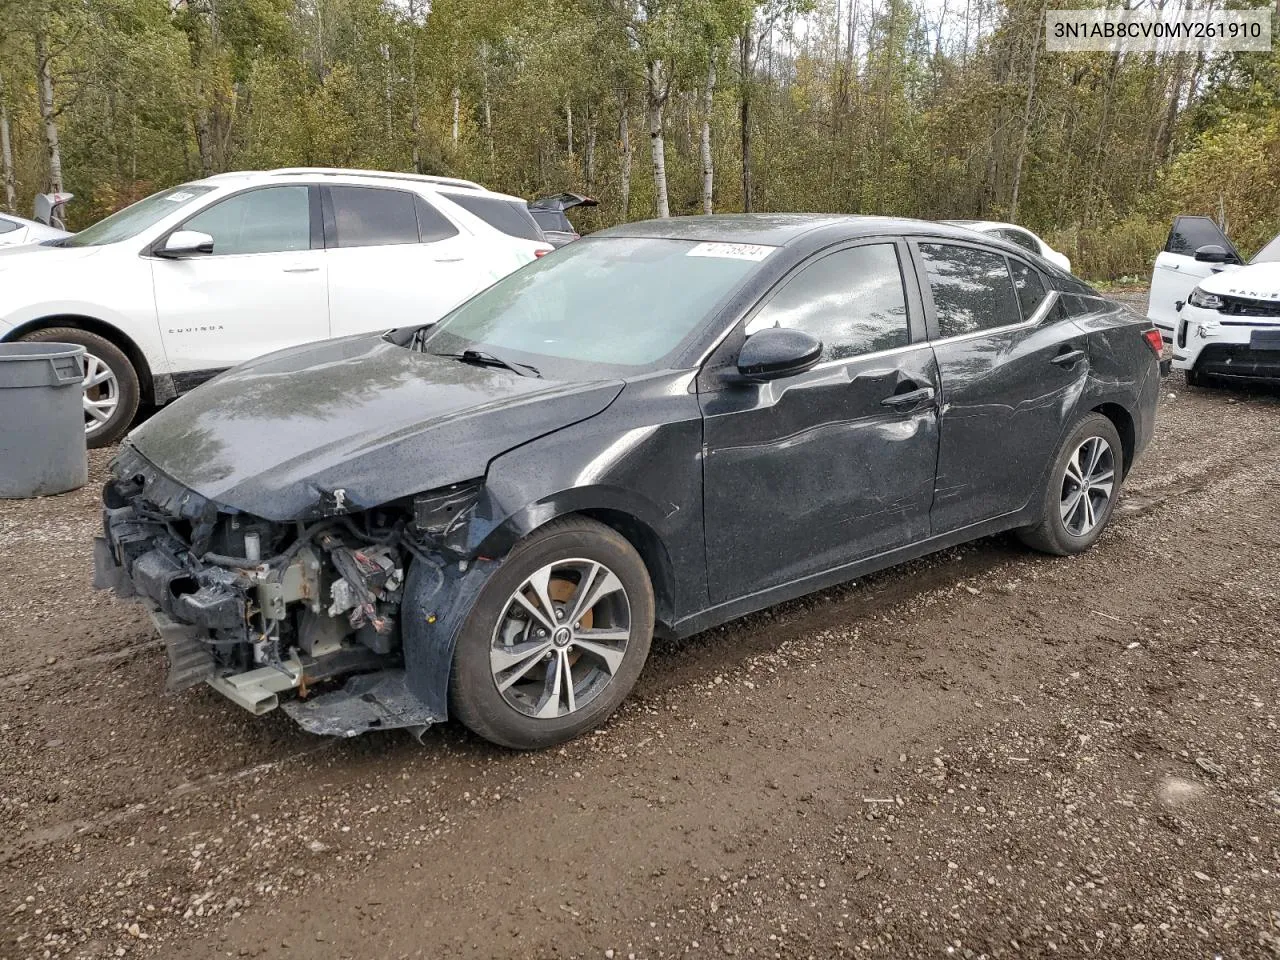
(867, 107)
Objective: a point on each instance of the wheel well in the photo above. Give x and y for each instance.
(1123, 423)
(652, 551)
(107, 332)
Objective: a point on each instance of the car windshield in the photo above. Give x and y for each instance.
(600, 306)
(1268, 254)
(136, 217)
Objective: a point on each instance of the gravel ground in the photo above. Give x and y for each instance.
(988, 753)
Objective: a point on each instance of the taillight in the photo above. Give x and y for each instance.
(1154, 340)
(542, 251)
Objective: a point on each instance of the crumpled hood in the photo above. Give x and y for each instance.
(1258, 282)
(377, 421)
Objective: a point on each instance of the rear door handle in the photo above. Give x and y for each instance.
(910, 400)
(301, 269)
(1068, 359)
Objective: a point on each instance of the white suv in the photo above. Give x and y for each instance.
(193, 280)
(1221, 315)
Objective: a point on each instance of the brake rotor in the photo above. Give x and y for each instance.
(561, 591)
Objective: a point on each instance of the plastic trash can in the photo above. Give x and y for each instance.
(42, 446)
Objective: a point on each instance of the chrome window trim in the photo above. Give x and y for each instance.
(825, 364)
(1042, 311)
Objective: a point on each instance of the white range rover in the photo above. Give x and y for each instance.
(192, 280)
(1221, 316)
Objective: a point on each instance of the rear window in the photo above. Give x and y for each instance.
(1268, 254)
(511, 217)
(552, 220)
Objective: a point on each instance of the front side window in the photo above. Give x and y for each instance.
(616, 302)
(8, 226)
(137, 217)
(852, 300)
(270, 220)
(971, 288)
(1189, 234)
(372, 217)
(1029, 286)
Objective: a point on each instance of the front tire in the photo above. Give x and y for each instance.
(1084, 484)
(556, 639)
(111, 388)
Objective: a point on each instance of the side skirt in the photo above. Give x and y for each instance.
(752, 603)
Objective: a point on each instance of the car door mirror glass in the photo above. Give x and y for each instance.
(778, 352)
(186, 242)
(1212, 253)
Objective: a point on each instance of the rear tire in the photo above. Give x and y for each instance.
(1194, 378)
(527, 678)
(112, 391)
(1084, 484)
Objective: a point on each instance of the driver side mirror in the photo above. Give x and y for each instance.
(778, 352)
(185, 243)
(1212, 253)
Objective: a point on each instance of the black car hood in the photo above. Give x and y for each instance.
(276, 437)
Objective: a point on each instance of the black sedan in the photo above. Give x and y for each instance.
(660, 428)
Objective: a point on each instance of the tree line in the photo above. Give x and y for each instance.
(946, 109)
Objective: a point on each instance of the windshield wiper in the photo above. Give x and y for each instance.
(482, 358)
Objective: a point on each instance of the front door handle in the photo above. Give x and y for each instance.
(910, 400)
(1068, 358)
(301, 269)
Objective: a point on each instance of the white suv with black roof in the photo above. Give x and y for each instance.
(196, 279)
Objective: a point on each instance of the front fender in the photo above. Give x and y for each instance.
(438, 598)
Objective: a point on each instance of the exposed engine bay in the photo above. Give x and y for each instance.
(257, 608)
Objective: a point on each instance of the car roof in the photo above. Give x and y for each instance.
(285, 172)
(981, 225)
(450, 190)
(779, 229)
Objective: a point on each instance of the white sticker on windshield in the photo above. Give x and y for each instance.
(731, 251)
(179, 197)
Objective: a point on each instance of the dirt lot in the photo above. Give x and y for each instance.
(988, 753)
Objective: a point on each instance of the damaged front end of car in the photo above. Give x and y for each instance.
(302, 615)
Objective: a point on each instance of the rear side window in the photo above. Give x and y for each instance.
(511, 217)
(1021, 239)
(432, 224)
(971, 288)
(372, 217)
(852, 300)
(1029, 286)
(1191, 233)
(7, 226)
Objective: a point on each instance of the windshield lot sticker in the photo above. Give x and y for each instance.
(731, 251)
(179, 197)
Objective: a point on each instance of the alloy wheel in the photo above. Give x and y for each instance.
(1087, 485)
(101, 394)
(561, 638)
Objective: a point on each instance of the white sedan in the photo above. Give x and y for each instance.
(1018, 235)
(16, 230)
